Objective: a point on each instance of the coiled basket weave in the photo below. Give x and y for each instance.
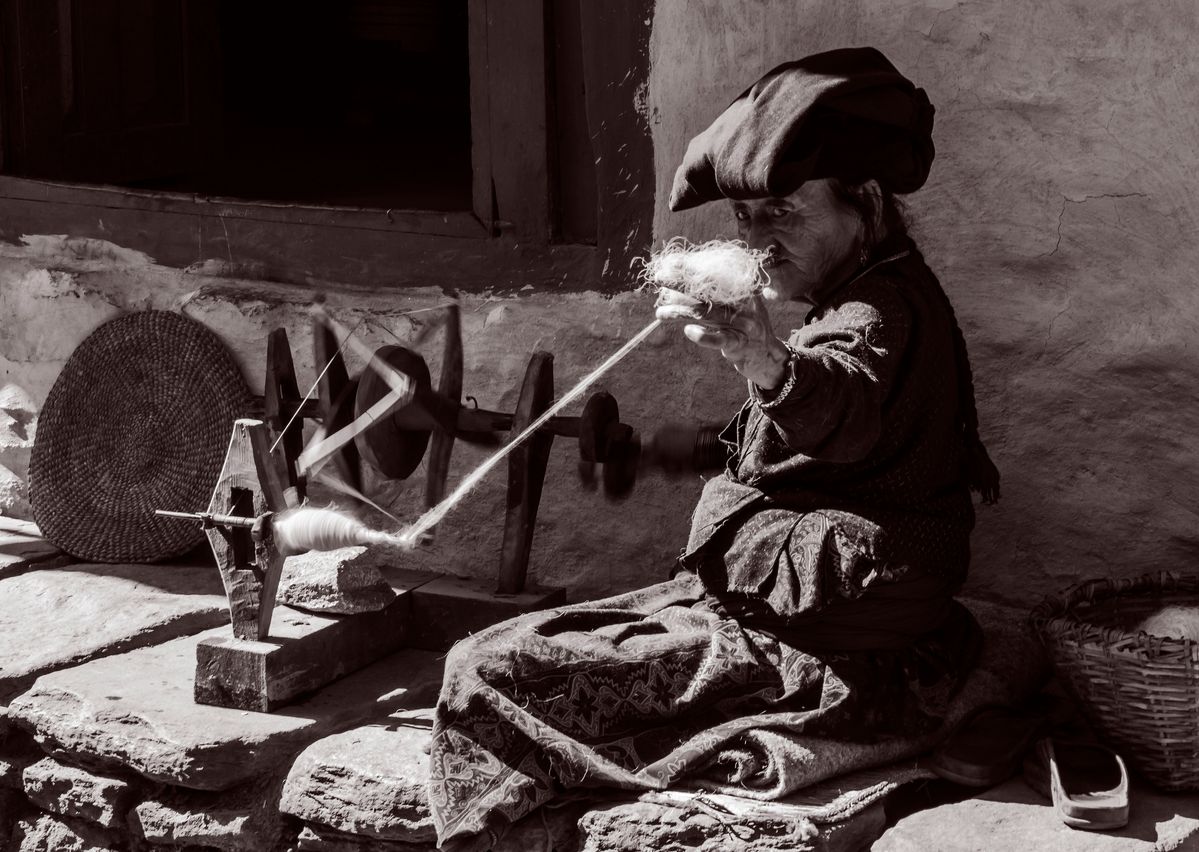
(1139, 691)
(139, 419)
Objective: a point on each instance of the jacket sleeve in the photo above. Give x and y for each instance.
(844, 366)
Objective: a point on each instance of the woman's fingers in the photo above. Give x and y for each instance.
(762, 315)
(667, 296)
(701, 312)
(670, 313)
(724, 338)
(722, 327)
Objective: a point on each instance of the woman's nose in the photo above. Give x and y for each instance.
(759, 236)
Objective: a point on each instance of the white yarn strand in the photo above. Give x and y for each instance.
(434, 515)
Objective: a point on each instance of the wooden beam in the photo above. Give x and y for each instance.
(516, 79)
(308, 253)
(459, 224)
(482, 186)
(303, 653)
(615, 38)
(573, 161)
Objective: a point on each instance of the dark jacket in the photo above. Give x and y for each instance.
(851, 489)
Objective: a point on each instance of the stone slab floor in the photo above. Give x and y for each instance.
(103, 748)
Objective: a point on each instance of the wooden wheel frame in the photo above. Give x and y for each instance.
(526, 473)
(450, 388)
(336, 399)
(393, 451)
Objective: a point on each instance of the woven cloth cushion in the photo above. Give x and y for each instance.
(138, 420)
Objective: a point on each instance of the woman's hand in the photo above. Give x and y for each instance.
(742, 334)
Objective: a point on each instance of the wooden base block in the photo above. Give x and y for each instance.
(303, 653)
(450, 608)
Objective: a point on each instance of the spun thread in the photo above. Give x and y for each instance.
(434, 515)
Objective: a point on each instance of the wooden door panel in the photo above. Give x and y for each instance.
(113, 90)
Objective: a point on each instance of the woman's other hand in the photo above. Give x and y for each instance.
(743, 334)
(671, 448)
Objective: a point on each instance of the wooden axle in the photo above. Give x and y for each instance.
(469, 423)
(396, 445)
(209, 520)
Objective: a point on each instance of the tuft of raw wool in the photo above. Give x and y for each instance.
(1173, 622)
(718, 272)
(308, 528)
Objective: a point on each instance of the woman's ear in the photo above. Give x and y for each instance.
(872, 192)
(870, 196)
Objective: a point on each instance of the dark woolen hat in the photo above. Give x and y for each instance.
(846, 113)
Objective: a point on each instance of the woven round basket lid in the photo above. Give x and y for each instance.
(138, 420)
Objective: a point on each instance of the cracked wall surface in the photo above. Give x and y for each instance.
(54, 291)
(1060, 216)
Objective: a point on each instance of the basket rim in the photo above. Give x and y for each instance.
(1055, 619)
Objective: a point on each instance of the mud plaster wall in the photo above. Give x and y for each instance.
(55, 290)
(1061, 217)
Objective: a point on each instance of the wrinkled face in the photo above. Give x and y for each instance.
(813, 238)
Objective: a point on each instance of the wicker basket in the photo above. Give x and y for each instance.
(139, 419)
(1140, 692)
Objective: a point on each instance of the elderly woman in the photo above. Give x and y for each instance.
(815, 596)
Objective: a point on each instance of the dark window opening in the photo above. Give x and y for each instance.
(360, 103)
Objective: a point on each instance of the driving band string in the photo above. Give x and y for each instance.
(430, 518)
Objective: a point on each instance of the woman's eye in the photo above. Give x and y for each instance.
(741, 215)
(779, 212)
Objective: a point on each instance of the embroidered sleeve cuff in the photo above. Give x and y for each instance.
(767, 399)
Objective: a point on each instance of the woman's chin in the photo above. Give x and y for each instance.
(781, 294)
(771, 294)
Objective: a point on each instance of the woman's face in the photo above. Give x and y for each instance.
(813, 239)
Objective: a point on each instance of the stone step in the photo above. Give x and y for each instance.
(320, 839)
(69, 791)
(643, 825)
(243, 819)
(136, 710)
(1012, 818)
(369, 781)
(56, 618)
(46, 833)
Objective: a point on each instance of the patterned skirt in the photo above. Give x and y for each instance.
(653, 689)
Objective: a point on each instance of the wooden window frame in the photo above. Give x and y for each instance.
(504, 241)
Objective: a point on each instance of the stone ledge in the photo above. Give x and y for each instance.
(99, 716)
(99, 610)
